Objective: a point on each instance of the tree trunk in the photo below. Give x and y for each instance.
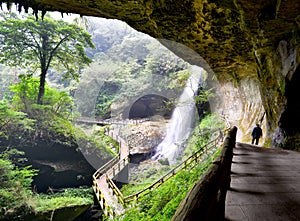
(42, 86)
(44, 68)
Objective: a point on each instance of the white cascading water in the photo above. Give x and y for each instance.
(182, 120)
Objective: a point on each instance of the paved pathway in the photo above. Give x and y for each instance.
(265, 185)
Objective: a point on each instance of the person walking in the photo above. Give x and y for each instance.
(256, 134)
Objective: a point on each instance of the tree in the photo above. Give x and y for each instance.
(25, 92)
(43, 44)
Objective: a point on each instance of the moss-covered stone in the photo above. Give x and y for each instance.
(66, 214)
(237, 38)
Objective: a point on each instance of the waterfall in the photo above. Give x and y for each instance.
(182, 121)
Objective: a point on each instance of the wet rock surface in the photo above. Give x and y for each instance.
(236, 39)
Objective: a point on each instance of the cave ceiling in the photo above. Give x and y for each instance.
(225, 33)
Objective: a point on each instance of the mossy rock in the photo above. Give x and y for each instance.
(164, 161)
(65, 214)
(292, 142)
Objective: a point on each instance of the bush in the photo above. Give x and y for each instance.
(26, 91)
(69, 197)
(14, 189)
(205, 131)
(161, 204)
(12, 121)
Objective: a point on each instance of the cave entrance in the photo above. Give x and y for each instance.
(290, 120)
(151, 105)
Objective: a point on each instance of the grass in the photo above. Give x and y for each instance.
(70, 197)
(161, 204)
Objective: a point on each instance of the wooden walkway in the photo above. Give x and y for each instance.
(103, 185)
(110, 197)
(265, 185)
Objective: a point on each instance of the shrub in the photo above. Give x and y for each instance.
(14, 189)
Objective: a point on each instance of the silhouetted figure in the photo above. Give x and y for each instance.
(256, 134)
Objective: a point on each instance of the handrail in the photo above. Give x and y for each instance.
(112, 172)
(114, 166)
(193, 158)
(170, 174)
(115, 190)
(206, 199)
(108, 122)
(102, 172)
(105, 167)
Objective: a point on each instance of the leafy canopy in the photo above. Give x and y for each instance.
(43, 44)
(25, 92)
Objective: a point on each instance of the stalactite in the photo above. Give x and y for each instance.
(8, 5)
(25, 4)
(19, 7)
(44, 11)
(278, 3)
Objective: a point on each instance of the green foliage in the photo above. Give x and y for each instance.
(179, 79)
(162, 203)
(142, 179)
(234, 78)
(43, 44)
(204, 95)
(26, 91)
(211, 122)
(14, 189)
(24, 42)
(97, 143)
(17, 199)
(69, 197)
(205, 131)
(12, 121)
(105, 98)
(127, 68)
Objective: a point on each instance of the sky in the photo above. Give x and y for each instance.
(68, 18)
(56, 15)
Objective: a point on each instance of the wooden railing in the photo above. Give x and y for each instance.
(194, 158)
(87, 120)
(190, 160)
(115, 165)
(107, 172)
(206, 200)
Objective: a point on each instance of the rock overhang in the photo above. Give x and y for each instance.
(225, 33)
(237, 39)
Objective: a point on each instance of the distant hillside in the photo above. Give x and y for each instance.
(127, 65)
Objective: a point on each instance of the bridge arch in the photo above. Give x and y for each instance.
(150, 105)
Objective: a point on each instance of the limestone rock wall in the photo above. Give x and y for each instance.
(250, 46)
(241, 105)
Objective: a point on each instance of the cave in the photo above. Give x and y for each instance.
(238, 41)
(151, 105)
(290, 119)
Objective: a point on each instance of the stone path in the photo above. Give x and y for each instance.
(265, 185)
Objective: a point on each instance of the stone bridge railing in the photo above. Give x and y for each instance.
(206, 200)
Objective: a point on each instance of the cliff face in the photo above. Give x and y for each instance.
(251, 47)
